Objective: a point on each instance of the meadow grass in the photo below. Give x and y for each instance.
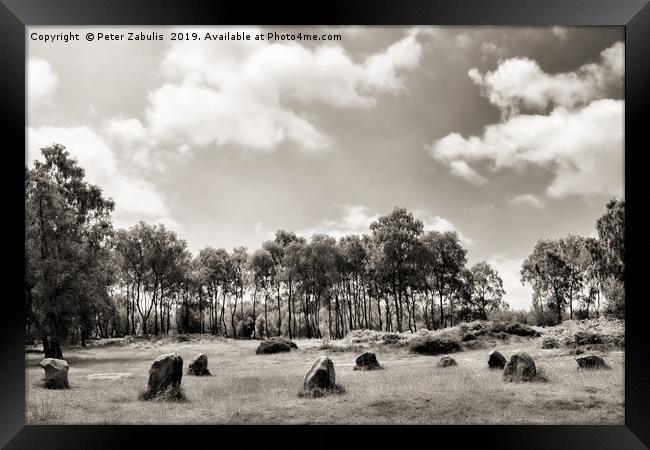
(250, 388)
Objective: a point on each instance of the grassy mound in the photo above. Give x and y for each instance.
(430, 345)
(276, 344)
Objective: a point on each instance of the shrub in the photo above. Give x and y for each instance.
(276, 344)
(587, 338)
(469, 337)
(550, 342)
(391, 338)
(434, 345)
(516, 328)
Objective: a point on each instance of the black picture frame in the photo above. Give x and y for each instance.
(634, 15)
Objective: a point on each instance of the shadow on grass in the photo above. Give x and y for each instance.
(316, 393)
(171, 394)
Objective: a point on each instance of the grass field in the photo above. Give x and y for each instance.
(250, 388)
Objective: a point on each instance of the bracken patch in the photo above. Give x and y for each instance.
(434, 345)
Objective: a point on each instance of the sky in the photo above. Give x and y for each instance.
(503, 134)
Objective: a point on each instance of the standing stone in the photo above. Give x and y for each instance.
(367, 361)
(496, 360)
(165, 375)
(56, 373)
(447, 361)
(520, 367)
(199, 365)
(321, 375)
(591, 362)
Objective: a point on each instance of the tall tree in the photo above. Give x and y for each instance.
(444, 258)
(548, 274)
(572, 252)
(67, 228)
(261, 266)
(486, 287)
(396, 239)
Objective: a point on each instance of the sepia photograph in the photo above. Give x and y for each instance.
(324, 225)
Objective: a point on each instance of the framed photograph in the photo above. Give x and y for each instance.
(418, 220)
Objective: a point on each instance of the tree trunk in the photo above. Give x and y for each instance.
(51, 348)
(254, 316)
(266, 315)
(289, 308)
(279, 312)
(442, 316)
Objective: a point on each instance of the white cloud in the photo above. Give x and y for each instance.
(560, 32)
(41, 81)
(135, 199)
(518, 296)
(521, 83)
(462, 41)
(492, 50)
(382, 70)
(201, 116)
(462, 170)
(437, 223)
(583, 147)
(580, 140)
(237, 92)
(131, 139)
(128, 131)
(526, 199)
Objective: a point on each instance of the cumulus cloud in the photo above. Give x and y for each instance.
(583, 147)
(131, 139)
(41, 81)
(239, 92)
(580, 140)
(135, 199)
(462, 170)
(521, 83)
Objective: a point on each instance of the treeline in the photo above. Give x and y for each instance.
(574, 272)
(83, 279)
